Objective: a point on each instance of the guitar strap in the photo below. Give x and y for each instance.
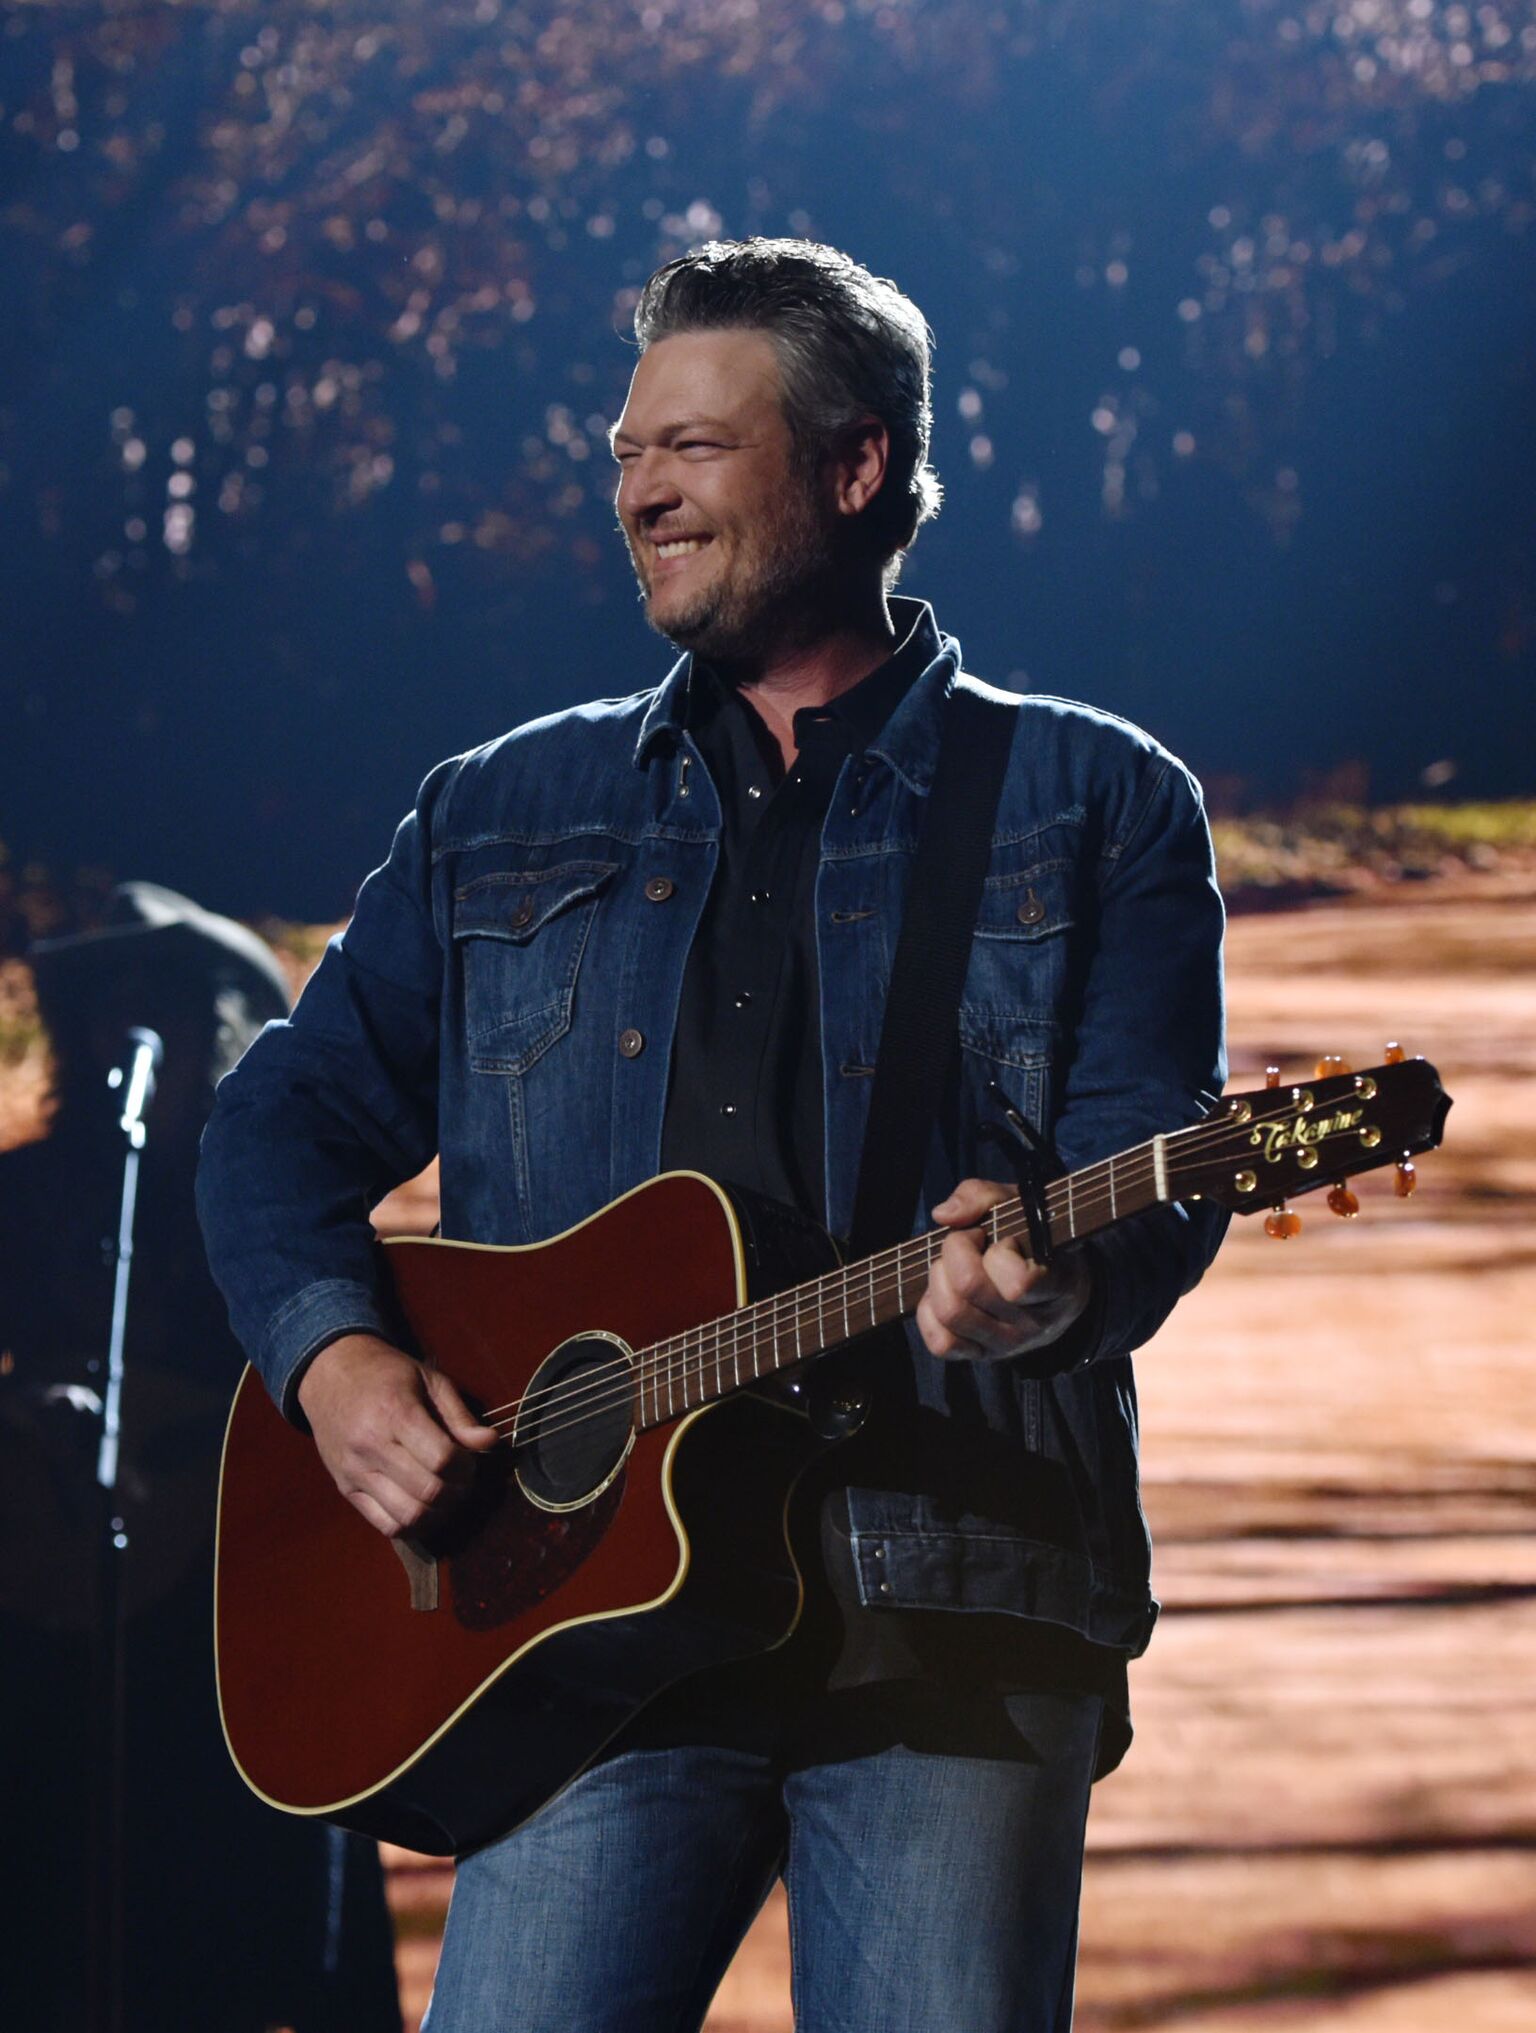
(919, 1036)
(920, 1032)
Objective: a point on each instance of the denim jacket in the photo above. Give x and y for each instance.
(505, 996)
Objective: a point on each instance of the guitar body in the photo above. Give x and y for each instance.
(634, 1528)
(437, 1695)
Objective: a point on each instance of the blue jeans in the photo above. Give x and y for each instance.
(928, 1892)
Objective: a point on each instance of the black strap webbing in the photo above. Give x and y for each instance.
(920, 1032)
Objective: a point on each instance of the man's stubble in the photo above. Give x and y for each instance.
(780, 594)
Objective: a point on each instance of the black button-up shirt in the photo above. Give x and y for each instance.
(745, 1099)
(744, 1106)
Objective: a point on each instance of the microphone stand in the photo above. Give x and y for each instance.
(136, 1080)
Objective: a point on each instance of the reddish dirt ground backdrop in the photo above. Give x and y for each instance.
(1328, 1817)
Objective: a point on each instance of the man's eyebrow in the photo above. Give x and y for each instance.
(673, 430)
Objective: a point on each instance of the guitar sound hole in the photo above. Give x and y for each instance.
(576, 1424)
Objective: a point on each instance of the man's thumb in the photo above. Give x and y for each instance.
(456, 1415)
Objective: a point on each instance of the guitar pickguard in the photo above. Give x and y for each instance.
(520, 1554)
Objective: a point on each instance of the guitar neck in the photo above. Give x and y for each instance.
(812, 1319)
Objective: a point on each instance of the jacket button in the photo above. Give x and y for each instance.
(523, 914)
(1031, 911)
(631, 1043)
(659, 888)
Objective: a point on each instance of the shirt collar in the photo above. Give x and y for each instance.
(874, 707)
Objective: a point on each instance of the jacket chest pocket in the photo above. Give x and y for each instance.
(1020, 980)
(519, 938)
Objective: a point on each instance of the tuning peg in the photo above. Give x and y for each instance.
(1332, 1063)
(1394, 1055)
(1280, 1223)
(1271, 1076)
(1407, 1179)
(1343, 1202)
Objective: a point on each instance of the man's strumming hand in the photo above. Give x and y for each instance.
(396, 1436)
(986, 1299)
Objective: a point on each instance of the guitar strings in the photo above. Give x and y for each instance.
(910, 1254)
(1087, 1194)
(699, 1348)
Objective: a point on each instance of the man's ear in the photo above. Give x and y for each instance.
(859, 465)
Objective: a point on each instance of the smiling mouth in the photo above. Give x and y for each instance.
(679, 547)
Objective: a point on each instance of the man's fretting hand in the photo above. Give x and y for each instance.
(397, 1438)
(986, 1299)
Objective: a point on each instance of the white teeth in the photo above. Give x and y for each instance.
(680, 550)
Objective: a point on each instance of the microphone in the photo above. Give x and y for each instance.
(145, 1050)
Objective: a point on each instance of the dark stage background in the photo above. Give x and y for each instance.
(311, 330)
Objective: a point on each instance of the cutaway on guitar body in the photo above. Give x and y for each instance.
(633, 1529)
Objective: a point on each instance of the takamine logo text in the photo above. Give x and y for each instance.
(1303, 1131)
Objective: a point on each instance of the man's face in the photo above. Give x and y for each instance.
(729, 542)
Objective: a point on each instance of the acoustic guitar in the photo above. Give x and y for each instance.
(634, 1526)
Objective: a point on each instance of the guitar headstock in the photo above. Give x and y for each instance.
(1255, 1151)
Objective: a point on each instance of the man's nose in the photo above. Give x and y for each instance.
(647, 485)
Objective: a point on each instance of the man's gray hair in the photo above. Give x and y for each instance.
(849, 346)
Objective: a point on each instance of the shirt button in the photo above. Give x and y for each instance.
(754, 790)
(522, 915)
(744, 998)
(759, 896)
(1031, 911)
(631, 1043)
(727, 1108)
(659, 888)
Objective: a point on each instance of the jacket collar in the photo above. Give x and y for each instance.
(909, 740)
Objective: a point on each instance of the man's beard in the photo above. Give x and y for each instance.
(777, 596)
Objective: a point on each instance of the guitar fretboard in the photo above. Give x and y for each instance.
(811, 1319)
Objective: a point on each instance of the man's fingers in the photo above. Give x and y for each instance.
(456, 1416)
(995, 1280)
(374, 1512)
(970, 1201)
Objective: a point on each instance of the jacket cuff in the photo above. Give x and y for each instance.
(297, 1332)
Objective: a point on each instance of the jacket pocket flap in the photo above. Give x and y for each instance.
(1032, 905)
(515, 905)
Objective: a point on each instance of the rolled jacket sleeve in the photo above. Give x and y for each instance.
(323, 1116)
(1148, 1055)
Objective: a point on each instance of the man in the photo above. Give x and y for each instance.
(655, 932)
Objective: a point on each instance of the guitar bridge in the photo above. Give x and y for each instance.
(421, 1571)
